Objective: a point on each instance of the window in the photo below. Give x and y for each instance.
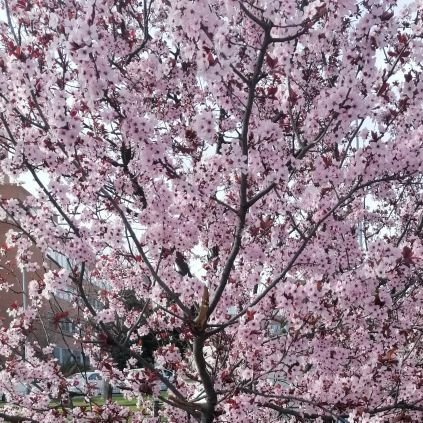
(59, 259)
(67, 327)
(64, 355)
(67, 294)
(97, 305)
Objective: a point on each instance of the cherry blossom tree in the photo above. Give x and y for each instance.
(250, 173)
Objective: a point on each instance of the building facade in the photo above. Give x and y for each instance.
(56, 321)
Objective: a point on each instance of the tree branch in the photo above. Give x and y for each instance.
(243, 208)
(172, 295)
(260, 195)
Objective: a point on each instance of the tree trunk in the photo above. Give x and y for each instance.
(107, 390)
(207, 417)
(207, 412)
(156, 406)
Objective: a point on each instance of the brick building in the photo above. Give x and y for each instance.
(48, 330)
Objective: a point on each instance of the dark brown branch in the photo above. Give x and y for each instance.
(225, 205)
(16, 419)
(335, 417)
(260, 195)
(147, 36)
(10, 23)
(241, 76)
(294, 224)
(51, 198)
(289, 37)
(208, 408)
(172, 295)
(243, 208)
(342, 201)
(266, 26)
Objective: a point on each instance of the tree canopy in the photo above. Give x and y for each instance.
(244, 180)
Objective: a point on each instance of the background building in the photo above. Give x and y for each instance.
(56, 322)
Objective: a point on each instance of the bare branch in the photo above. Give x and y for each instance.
(260, 195)
(172, 295)
(225, 205)
(243, 208)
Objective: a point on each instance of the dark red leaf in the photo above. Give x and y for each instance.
(271, 62)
